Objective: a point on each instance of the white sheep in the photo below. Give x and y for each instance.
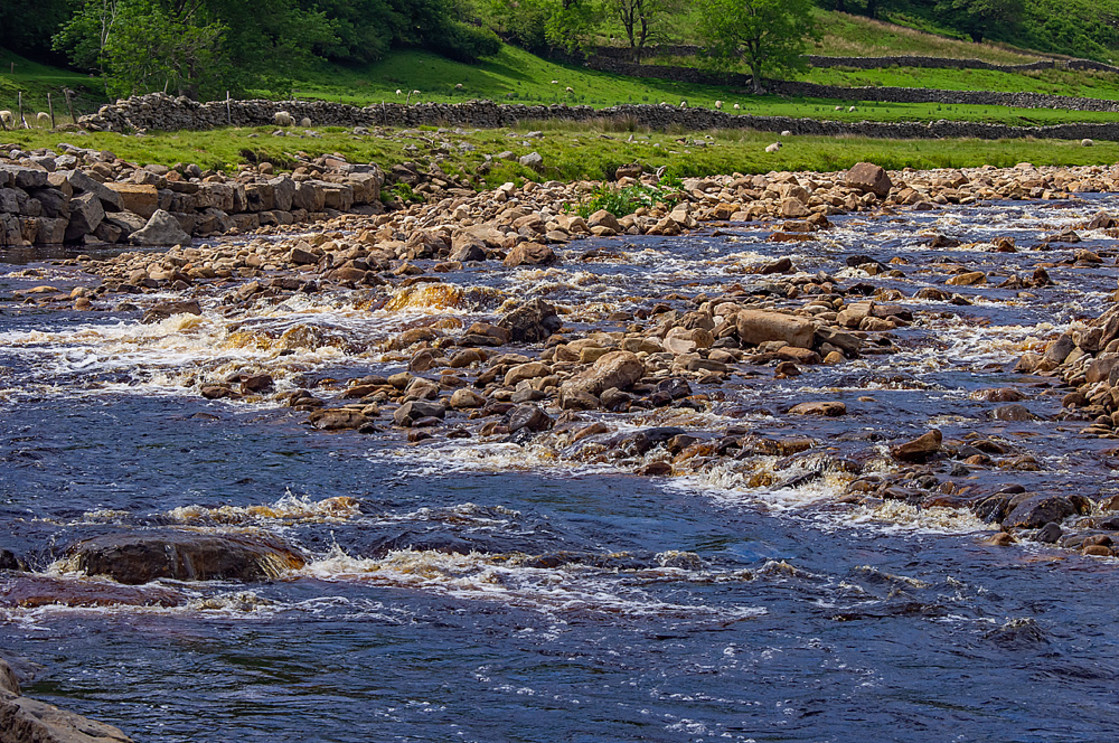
(773, 147)
(399, 91)
(43, 118)
(737, 107)
(458, 86)
(683, 104)
(852, 109)
(839, 108)
(305, 122)
(555, 82)
(7, 118)
(1083, 142)
(786, 133)
(282, 118)
(570, 90)
(719, 105)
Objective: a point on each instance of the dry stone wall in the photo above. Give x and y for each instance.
(161, 112)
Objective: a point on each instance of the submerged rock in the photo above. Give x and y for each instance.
(181, 555)
(920, 449)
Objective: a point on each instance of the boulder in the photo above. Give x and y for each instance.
(920, 449)
(410, 412)
(758, 326)
(530, 254)
(338, 419)
(164, 310)
(826, 408)
(1036, 511)
(135, 558)
(527, 416)
(533, 160)
(532, 322)
(24, 720)
(86, 213)
(137, 198)
(9, 682)
(161, 229)
(9, 560)
(869, 178)
(620, 369)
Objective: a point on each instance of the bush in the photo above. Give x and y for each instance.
(466, 43)
(624, 201)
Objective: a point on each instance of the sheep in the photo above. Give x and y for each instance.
(737, 107)
(43, 118)
(852, 109)
(555, 82)
(683, 104)
(282, 118)
(7, 118)
(570, 90)
(773, 147)
(1083, 142)
(399, 91)
(839, 108)
(786, 133)
(305, 122)
(458, 86)
(719, 105)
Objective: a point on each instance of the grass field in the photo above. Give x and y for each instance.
(574, 152)
(36, 80)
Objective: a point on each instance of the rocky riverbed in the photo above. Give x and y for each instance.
(914, 352)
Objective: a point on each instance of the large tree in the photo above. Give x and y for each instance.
(642, 20)
(768, 35)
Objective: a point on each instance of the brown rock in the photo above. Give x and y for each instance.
(758, 326)
(338, 419)
(920, 449)
(531, 254)
(136, 198)
(138, 558)
(619, 369)
(825, 408)
(868, 177)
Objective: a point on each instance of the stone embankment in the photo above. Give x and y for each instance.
(165, 113)
(25, 720)
(87, 197)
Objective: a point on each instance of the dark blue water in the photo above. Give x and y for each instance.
(524, 603)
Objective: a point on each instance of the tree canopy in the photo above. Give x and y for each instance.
(768, 35)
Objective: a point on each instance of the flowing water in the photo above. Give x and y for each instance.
(492, 590)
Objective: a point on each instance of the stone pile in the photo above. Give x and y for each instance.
(87, 197)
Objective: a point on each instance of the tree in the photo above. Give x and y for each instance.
(768, 35)
(538, 25)
(981, 18)
(641, 20)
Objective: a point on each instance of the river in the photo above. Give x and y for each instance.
(487, 589)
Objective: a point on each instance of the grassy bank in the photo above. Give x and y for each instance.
(576, 151)
(36, 80)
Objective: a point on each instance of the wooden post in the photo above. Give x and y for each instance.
(19, 116)
(70, 106)
(228, 110)
(50, 107)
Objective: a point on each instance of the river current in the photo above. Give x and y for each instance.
(493, 590)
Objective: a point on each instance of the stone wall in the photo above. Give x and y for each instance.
(161, 112)
(834, 92)
(87, 197)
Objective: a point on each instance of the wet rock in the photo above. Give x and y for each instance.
(161, 229)
(86, 214)
(135, 558)
(920, 449)
(1012, 413)
(1017, 634)
(756, 327)
(969, 278)
(9, 560)
(869, 178)
(1000, 539)
(529, 417)
(620, 369)
(24, 720)
(659, 468)
(1036, 511)
(164, 310)
(532, 322)
(1050, 533)
(410, 412)
(827, 408)
(464, 399)
(8, 680)
(338, 419)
